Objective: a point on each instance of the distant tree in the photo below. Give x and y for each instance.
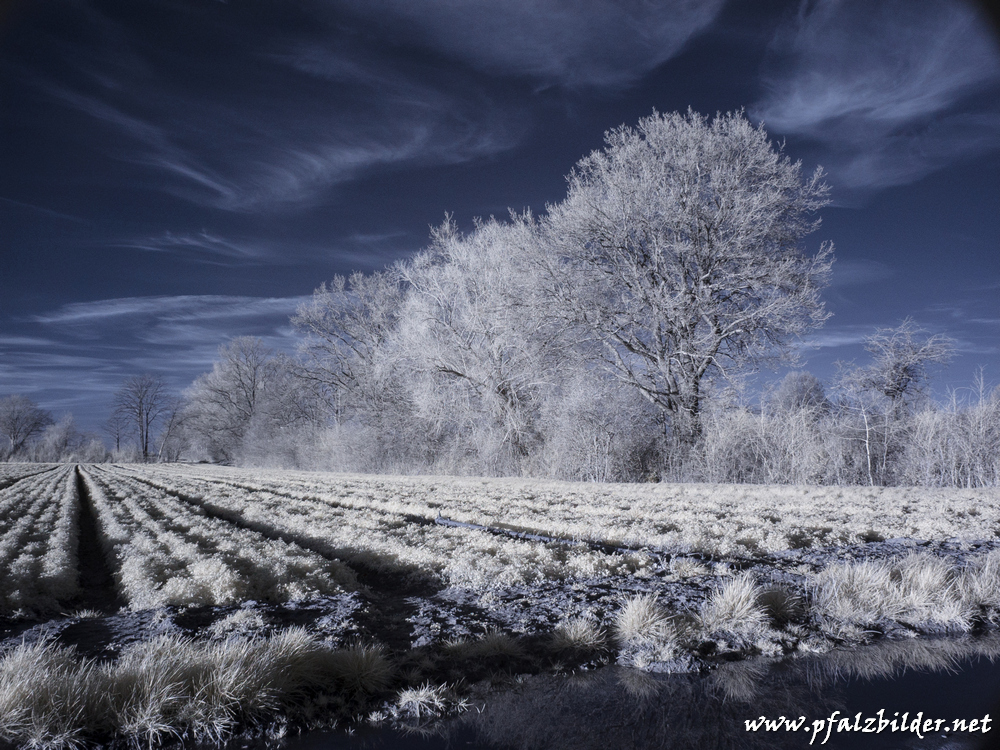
(249, 392)
(117, 427)
(683, 239)
(59, 441)
(171, 440)
(882, 393)
(141, 401)
(799, 391)
(902, 358)
(21, 419)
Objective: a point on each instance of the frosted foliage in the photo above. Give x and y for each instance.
(606, 340)
(248, 400)
(684, 237)
(482, 349)
(21, 419)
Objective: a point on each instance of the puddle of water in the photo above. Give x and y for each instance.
(629, 710)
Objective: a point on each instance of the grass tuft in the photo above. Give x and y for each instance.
(644, 621)
(735, 607)
(579, 634)
(919, 590)
(424, 701)
(172, 687)
(780, 604)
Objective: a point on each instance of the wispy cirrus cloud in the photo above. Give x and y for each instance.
(209, 247)
(138, 311)
(570, 43)
(269, 110)
(276, 117)
(888, 90)
(858, 272)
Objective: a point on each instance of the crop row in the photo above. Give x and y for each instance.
(11, 473)
(38, 542)
(716, 519)
(165, 551)
(368, 534)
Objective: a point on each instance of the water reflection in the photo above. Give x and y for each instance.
(632, 710)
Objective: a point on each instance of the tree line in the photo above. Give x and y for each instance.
(603, 341)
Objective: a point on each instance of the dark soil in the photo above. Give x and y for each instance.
(97, 583)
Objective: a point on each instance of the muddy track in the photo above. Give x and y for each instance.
(97, 582)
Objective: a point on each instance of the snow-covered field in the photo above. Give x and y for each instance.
(403, 585)
(714, 519)
(38, 529)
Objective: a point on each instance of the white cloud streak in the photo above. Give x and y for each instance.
(208, 247)
(307, 115)
(858, 272)
(317, 109)
(884, 87)
(570, 43)
(171, 309)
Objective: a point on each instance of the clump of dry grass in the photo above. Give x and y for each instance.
(735, 607)
(579, 634)
(361, 669)
(492, 643)
(919, 590)
(979, 582)
(780, 604)
(687, 567)
(47, 695)
(643, 620)
(424, 701)
(171, 686)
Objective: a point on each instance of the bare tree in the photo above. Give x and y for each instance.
(883, 392)
(348, 325)
(170, 435)
(21, 419)
(901, 360)
(116, 427)
(250, 392)
(141, 401)
(683, 241)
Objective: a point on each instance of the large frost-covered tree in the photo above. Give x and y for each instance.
(683, 241)
(477, 334)
(348, 325)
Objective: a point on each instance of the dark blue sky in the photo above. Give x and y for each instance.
(174, 173)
